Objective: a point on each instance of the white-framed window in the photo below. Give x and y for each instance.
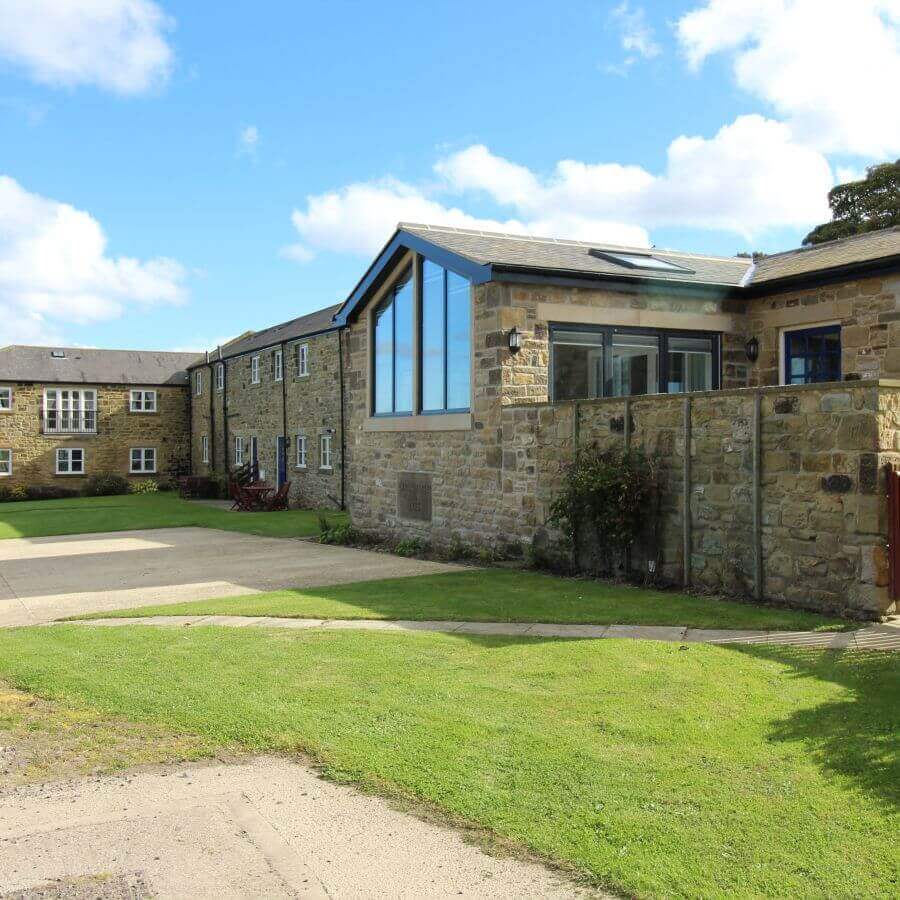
(5, 399)
(220, 377)
(143, 401)
(325, 451)
(198, 382)
(70, 461)
(254, 370)
(5, 462)
(301, 451)
(301, 355)
(143, 460)
(70, 411)
(204, 448)
(278, 365)
(238, 451)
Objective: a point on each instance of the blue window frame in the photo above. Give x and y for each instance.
(393, 390)
(812, 355)
(445, 340)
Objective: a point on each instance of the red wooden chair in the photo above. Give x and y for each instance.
(280, 498)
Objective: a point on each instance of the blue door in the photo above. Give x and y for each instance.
(280, 452)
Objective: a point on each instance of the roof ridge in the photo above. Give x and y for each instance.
(626, 248)
(97, 349)
(825, 244)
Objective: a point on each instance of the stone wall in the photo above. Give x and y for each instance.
(868, 311)
(309, 405)
(107, 451)
(822, 524)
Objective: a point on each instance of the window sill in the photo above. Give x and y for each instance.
(300, 468)
(69, 474)
(430, 422)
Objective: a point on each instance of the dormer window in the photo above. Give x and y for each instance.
(58, 354)
(640, 261)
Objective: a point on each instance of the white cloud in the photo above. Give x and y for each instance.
(248, 141)
(747, 178)
(636, 35)
(830, 67)
(118, 45)
(54, 270)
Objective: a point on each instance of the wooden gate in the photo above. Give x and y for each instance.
(893, 482)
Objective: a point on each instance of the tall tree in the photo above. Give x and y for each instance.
(860, 206)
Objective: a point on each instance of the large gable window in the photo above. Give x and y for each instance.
(70, 411)
(393, 393)
(446, 340)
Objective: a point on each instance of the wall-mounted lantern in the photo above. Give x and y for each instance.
(751, 349)
(515, 340)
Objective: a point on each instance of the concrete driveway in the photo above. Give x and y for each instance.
(264, 828)
(42, 579)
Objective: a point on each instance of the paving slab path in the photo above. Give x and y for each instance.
(267, 827)
(883, 636)
(45, 578)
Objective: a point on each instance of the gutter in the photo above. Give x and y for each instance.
(341, 392)
(284, 428)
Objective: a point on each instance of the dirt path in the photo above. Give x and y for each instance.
(264, 827)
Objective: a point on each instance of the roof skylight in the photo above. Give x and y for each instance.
(639, 261)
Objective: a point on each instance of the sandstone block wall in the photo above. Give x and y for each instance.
(308, 405)
(823, 510)
(107, 451)
(867, 310)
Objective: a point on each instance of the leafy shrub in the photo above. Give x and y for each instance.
(19, 492)
(342, 533)
(105, 485)
(458, 549)
(609, 497)
(144, 487)
(410, 547)
(50, 492)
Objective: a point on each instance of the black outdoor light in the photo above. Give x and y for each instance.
(751, 348)
(515, 340)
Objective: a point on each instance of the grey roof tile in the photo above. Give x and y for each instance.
(81, 365)
(311, 323)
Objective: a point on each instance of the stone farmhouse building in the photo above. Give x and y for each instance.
(442, 399)
(273, 397)
(68, 413)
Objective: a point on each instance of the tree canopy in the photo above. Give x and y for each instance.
(859, 206)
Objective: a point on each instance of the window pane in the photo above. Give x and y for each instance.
(635, 365)
(690, 364)
(459, 342)
(813, 355)
(403, 347)
(432, 336)
(384, 354)
(577, 371)
(591, 338)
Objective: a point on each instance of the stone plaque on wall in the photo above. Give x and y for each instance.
(414, 496)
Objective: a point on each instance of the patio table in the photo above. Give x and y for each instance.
(260, 494)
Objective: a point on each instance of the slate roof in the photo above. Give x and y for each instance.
(81, 365)
(303, 326)
(833, 254)
(511, 251)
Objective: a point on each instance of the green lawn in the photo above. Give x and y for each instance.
(659, 769)
(163, 510)
(498, 595)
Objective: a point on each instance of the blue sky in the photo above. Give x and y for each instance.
(171, 175)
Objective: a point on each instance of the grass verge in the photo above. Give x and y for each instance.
(499, 595)
(42, 740)
(84, 515)
(659, 769)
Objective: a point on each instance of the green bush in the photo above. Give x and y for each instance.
(609, 498)
(50, 492)
(410, 547)
(341, 533)
(19, 492)
(105, 485)
(144, 487)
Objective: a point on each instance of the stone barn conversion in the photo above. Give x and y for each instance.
(476, 363)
